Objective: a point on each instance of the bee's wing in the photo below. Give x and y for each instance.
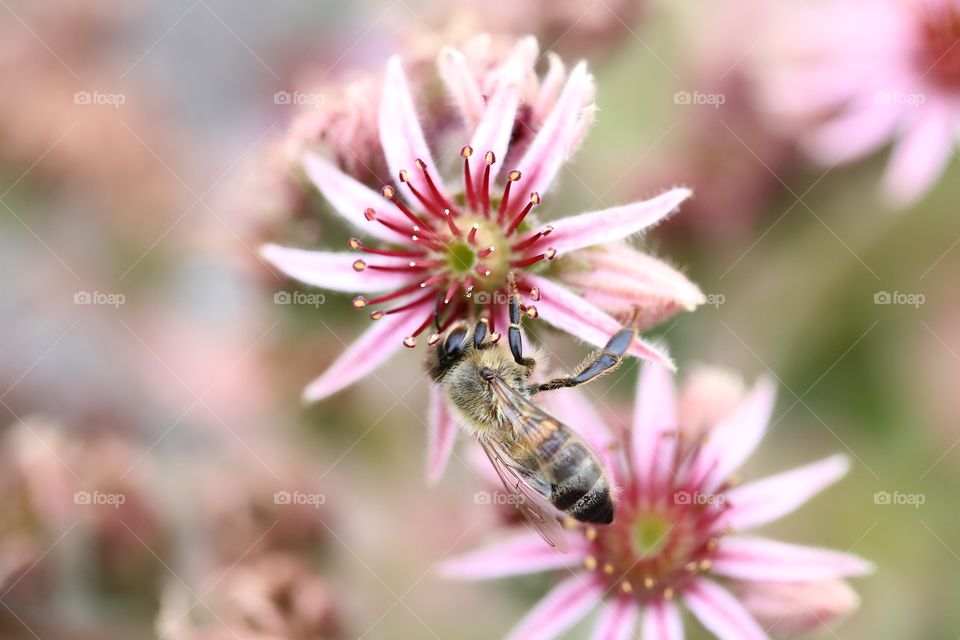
(531, 503)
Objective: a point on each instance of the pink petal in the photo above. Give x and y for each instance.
(618, 620)
(331, 270)
(517, 555)
(549, 148)
(853, 134)
(763, 501)
(653, 438)
(461, 85)
(615, 223)
(796, 608)
(571, 313)
(400, 133)
(732, 441)
(576, 410)
(616, 277)
(443, 433)
(920, 157)
(348, 197)
(368, 351)
(560, 609)
(550, 87)
(721, 613)
(495, 128)
(750, 558)
(661, 621)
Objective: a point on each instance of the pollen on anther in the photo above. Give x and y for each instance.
(535, 198)
(535, 294)
(410, 342)
(550, 253)
(532, 312)
(513, 176)
(591, 534)
(420, 164)
(626, 587)
(495, 337)
(404, 177)
(705, 565)
(590, 563)
(668, 593)
(387, 192)
(649, 582)
(369, 214)
(355, 243)
(359, 265)
(466, 151)
(489, 158)
(359, 302)
(376, 315)
(608, 569)
(433, 339)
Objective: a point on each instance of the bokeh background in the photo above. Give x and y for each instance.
(146, 363)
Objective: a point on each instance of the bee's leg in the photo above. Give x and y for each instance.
(480, 332)
(513, 333)
(598, 363)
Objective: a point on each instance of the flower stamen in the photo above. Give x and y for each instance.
(534, 200)
(485, 189)
(512, 177)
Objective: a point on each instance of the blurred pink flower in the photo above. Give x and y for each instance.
(676, 536)
(794, 608)
(274, 597)
(452, 249)
(874, 73)
(54, 482)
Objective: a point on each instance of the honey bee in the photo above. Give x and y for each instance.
(542, 462)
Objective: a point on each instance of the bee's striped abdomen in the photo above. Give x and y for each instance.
(580, 487)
